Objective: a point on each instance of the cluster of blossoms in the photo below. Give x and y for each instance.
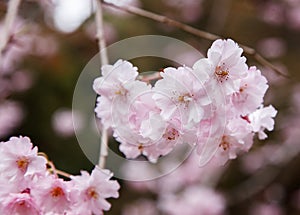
(217, 106)
(29, 188)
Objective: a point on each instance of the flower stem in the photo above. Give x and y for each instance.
(104, 60)
(10, 17)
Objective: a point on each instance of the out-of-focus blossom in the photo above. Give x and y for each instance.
(11, 114)
(68, 15)
(281, 13)
(110, 32)
(294, 17)
(21, 81)
(142, 206)
(188, 173)
(296, 98)
(187, 10)
(18, 45)
(272, 47)
(296, 200)
(194, 200)
(273, 13)
(275, 193)
(44, 45)
(63, 123)
(266, 209)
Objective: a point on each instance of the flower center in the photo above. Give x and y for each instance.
(184, 98)
(140, 147)
(22, 203)
(57, 191)
(121, 91)
(221, 73)
(242, 88)
(92, 193)
(171, 134)
(224, 144)
(22, 163)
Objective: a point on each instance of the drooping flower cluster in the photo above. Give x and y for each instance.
(216, 105)
(28, 188)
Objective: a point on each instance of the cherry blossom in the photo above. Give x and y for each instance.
(33, 189)
(180, 94)
(19, 158)
(53, 194)
(237, 137)
(262, 119)
(227, 65)
(94, 189)
(20, 204)
(216, 105)
(251, 92)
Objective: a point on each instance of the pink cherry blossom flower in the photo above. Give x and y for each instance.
(237, 138)
(19, 204)
(113, 79)
(146, 133)
(251, 92)
(94, 189)
(180, 94)
(262, 119)
(227, 65)
(213, 105)
(117, 88)
(19, 158)
(53, 194)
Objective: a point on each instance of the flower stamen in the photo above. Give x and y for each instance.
(22, 163)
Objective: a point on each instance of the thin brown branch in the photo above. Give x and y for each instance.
(104, 60)
(194, 31)
(151, 77)
(10, 17)
(62, 173)
(52, 168)
(56, 172)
